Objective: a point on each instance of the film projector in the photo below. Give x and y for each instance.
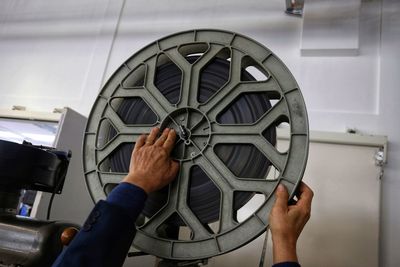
(225, 95)
(26, 241)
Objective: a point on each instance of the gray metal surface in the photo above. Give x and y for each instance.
(199, 129)
(29, 242)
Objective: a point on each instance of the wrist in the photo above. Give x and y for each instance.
(284, 250)
(132, 179)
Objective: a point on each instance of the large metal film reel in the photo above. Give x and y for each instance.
(224, 94)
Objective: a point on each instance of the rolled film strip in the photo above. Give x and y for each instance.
(225, 95)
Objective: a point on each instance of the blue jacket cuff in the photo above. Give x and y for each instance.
(129, 197)
(287, 264)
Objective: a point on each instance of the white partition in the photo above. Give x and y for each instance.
(344, 225)
(74, 204)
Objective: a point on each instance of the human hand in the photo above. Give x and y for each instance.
(151, 167)
(287, 221)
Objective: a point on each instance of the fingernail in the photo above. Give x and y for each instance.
(166, 130)
(281, 188)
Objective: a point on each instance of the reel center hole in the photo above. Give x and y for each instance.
(193, 130)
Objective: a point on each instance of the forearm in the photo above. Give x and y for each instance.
(108, 232)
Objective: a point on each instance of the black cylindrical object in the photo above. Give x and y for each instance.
(29, 242)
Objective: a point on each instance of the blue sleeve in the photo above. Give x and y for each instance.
(286, 264)
(129, 197)
(108, 232)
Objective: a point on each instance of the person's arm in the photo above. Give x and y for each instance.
(108, 232)
(286, 223)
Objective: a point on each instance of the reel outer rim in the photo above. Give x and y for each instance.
(102, 101)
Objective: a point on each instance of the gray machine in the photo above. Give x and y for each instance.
(25, 241)
(225, 94)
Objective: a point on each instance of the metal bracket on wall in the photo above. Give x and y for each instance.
(348, 138)
(380, 157)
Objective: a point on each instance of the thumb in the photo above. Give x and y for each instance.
(174, 168)
(282, 197)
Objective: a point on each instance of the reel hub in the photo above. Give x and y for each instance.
(193, 130)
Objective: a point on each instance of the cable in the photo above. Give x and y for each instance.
(58, 186)
(60, 182)
(264, 249)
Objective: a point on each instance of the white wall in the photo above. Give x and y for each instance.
(389, 111)
(53, 53)
(58, 53)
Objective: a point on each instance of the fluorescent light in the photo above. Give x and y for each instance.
(39, 137)
(9, 135)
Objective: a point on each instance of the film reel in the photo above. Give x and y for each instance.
(224, 94)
